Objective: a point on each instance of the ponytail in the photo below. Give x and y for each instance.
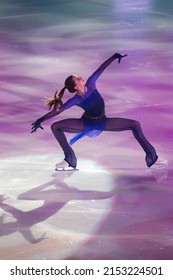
(55, 102)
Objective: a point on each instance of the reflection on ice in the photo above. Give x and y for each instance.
(40, 205)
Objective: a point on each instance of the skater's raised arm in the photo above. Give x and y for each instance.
(104, 65)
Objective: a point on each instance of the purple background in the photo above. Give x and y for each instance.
(43, 42)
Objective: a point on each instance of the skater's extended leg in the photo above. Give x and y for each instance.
(121, 124)
(71, 126)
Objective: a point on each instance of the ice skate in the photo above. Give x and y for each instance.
(160, 164)
(64, 166)
(151, 157)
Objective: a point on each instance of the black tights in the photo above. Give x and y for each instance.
(112, 124)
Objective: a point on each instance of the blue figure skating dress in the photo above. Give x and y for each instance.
(94, 116)
(92, 103)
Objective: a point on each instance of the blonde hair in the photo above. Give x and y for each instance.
(56, 102)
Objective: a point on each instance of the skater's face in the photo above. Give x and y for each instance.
(79, 83)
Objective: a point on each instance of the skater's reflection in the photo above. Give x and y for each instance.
(55, 194)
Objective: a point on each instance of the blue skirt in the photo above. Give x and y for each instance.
(92, 128)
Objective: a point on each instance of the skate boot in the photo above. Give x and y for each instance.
(63, 166)
(151, 157)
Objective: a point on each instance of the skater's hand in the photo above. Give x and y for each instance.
(36, 125)
(119, 56)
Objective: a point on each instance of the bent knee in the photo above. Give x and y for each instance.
(55, 126)
(136, 124)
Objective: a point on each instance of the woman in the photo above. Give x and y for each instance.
(93, 121)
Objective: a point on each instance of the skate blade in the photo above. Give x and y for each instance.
(66, 169)
(160, 164)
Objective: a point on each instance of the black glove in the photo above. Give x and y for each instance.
(36, 125)
(119, 56)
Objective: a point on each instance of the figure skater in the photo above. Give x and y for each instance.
(93, 121)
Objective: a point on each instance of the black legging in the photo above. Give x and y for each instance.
(112, 124)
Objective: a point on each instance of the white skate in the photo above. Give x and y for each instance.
(64, 166)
